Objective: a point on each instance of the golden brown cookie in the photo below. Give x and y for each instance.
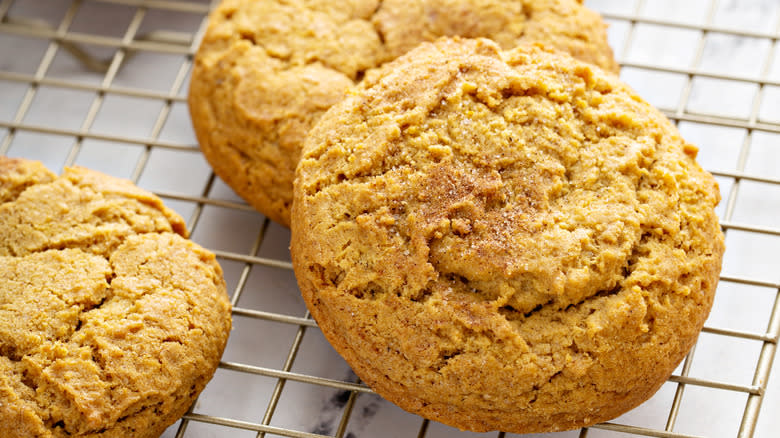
(504, 240)
(111, 321)
(267, 70)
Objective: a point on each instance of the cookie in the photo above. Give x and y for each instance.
(111, 321)
(267, 70)
(504, 240)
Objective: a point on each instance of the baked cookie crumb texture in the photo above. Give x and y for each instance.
(111, 321)
(505, 240)
(267, 70)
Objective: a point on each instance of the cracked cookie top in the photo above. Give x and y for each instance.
(267, 70)
(111, 321)
(504, 240)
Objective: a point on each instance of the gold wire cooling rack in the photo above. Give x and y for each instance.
(103, 83)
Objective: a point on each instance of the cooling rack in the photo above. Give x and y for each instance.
(102, 83)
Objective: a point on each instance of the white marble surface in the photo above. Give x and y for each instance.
(262, 343)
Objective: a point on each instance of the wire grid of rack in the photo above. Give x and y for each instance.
(103, 83)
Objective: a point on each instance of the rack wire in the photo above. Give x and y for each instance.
(75, 89)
